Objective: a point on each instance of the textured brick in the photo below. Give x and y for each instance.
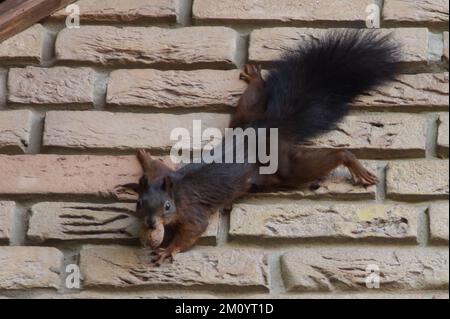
(56, 221)
(443, 136)
(100, 176)
(345, 269)
(124, 11)
(174, 89)
(23, 47)
(52, 86)
(378, 135)
(208, 88)
(206, 268)
(29, 267)
(446, 47)
(151, 295)
(417, 180)
(15, 129)
(297, 221)
(414, 44)
(82, 221)
(416, 12)
(267, 45)
(385, 135)
(66, 175)
(439, 223)
(427, 91)
(374, 295)
(194, 46)
(120, 131)
(283, 11)
(177, 295)
(6, 215)
(338, 185)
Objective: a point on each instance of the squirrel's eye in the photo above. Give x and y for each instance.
(167, 206)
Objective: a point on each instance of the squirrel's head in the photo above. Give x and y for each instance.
(156, 202)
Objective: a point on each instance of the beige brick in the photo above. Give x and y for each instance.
(338, 185)
(52, 86)
(267, 45)
(193, 46)
(174, 89)
(121, 131)
(15, 129)
(384, 135)
(123, 11)
(446, 47)
(104, 294)
(282, 11)
(151, 295)
(417, 180)
(77, 175)
(29, 267)
(416, 12)
(443, 136)
(387, 135)
(201, 268)
(23, 47)
(346, 269)
(414, 42)
(6, 215)
(427, 91)
(294, 220)
(81, 222)
(439, 223)
(376, 295)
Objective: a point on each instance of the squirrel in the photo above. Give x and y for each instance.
(306, 93)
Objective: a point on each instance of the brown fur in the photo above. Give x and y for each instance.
(199, 190)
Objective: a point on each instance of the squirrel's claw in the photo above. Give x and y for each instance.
(160, 256)
(364, 178)
(143, 155)
(251, 73)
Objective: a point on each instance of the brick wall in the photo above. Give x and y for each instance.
(75, 104)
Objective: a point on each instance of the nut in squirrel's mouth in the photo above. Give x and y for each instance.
(153, 238)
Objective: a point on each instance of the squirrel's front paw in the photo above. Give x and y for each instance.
(161, 256)
(251, 73)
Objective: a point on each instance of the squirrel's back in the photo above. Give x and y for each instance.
(310, 88)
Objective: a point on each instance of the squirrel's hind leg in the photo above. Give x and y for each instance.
(360, 175)
(253, 102)
(308, 165)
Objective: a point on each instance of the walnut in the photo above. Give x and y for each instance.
(153, 238)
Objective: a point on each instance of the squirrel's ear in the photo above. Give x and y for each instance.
(140, 187)
(167, 184)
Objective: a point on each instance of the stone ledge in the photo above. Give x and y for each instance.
(345, 269)
(29, 267)
(119, 267)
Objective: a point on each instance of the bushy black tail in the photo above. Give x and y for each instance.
(311, 88)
